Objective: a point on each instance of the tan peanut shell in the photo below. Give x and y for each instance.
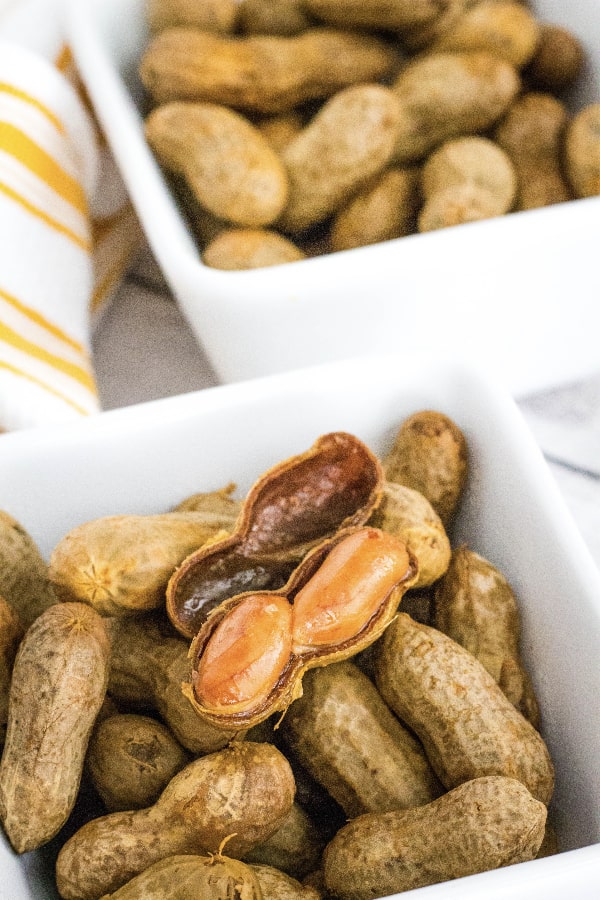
(246, 248)
(191, 877)
(349, 140)
(347, 738)
(23, 572)
(295, 848)
(557, 61)
(131, 758)
(376, 14)
(11, 632)
(251, 654)
(384, 209)
(241, 793)
(465, 722)
(446, 95)
(582, 152)
(229, 166)
(267, 74)
(217, 506)
(207, 15)
(149, 663)
(506, 29)
(457, 205)
(476, 607)
(407, 514)
(429, 454)
(121, 564)
(472, 159)
(282, 17)
(58, 685)
(482, 824)
(277, 885)
(532, 134)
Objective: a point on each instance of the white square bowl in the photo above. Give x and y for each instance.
(146, 458)
(517, 294)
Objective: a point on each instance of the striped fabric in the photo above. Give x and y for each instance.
(67, 232)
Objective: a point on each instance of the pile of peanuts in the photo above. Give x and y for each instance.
(411, 755)
(294, 128)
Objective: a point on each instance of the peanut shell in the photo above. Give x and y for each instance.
(480, 825)
(58, 685)
(465, 722)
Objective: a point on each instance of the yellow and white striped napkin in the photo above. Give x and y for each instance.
(67, 229)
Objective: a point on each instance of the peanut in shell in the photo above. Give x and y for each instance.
(261, 73)
(251, 654)
(466, 724)
(130, 760)
(480, 825)
(475, 606)
(120, 565)
(429, 454)
(191, 877)
(291, 508)
(242, 793)
(58, 686)
(407, 514)
(342, 731)
(277, 885)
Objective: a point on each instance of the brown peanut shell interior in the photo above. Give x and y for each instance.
(290, 509)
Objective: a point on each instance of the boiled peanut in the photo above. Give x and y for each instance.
(466, 180)
(121, 564)
(149, 662)
(242, 793)
(209, 15)
(217, 506)
(408, 515)
(278, 885)
(429, 454)
(350, 140)
(504, 28)
(384, 209)
(131, 759)
(582, 152)
(252, 652)
(445, 95)
(483, 824)
(24, 579)
(58, 685)
(227, 163)
(466, 724)
(476, 607)
(268, 74)
(190, 877)
(557, 61)
(245, 248)
(290, 509)
(532, 134)
(345, 735)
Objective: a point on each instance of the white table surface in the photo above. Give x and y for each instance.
(144, 350)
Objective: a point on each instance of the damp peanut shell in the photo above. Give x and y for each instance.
(291, 508)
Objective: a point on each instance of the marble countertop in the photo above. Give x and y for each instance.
(144, 350)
